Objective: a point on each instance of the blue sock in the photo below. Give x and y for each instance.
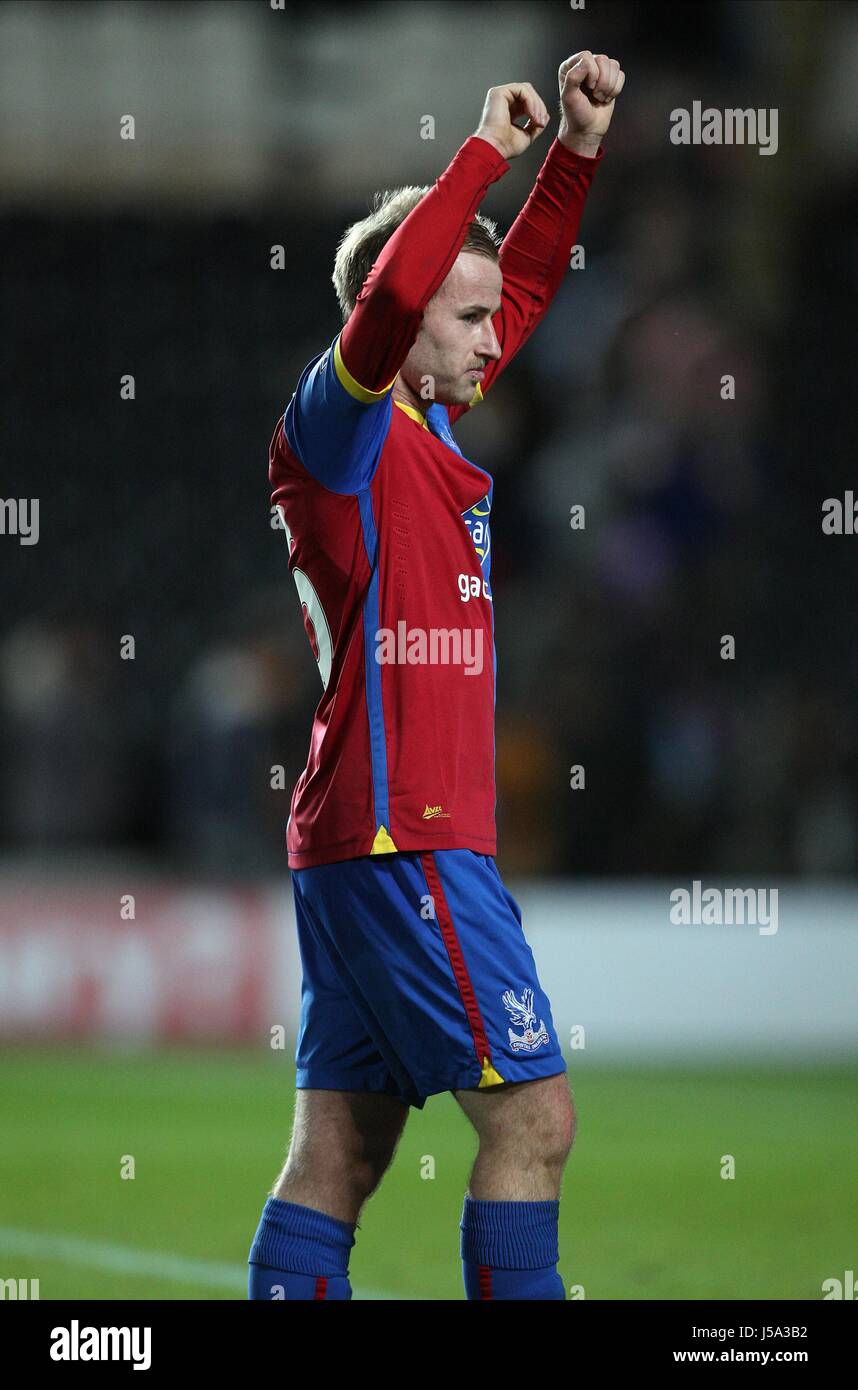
(510, 1249)
(299, 1252)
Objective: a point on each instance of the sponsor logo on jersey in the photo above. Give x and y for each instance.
(476, 519)
(472, 586)
(434, 812)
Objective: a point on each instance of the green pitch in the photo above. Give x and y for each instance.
(645, 1213)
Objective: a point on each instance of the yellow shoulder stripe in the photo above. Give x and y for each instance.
(353, 387)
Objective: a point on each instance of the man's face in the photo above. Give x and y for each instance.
(456, 334)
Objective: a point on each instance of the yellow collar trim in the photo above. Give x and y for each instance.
(415, 414)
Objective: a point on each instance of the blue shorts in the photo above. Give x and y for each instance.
(417, 978)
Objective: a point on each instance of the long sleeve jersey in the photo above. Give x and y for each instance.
(388, 534)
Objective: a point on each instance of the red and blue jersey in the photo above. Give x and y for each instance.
(388, 529)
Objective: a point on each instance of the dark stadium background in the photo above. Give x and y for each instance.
(258, 127)
(703, 516)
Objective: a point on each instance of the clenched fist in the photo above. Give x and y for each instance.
(589, 84)
(505, 104)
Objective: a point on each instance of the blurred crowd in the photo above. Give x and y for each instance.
(702, 520)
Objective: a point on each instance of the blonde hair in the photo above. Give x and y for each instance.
(361, 243)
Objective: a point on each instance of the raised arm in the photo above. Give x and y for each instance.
(416, 260)
(338, 416)
(535, 253)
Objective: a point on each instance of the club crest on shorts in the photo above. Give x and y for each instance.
(521, 1013)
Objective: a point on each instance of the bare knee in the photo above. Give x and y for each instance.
(552, 1125)
(363, 1165)
(535, 1120)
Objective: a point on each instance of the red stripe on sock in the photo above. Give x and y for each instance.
(457, 960)
(485, 1280)
(321, 1286)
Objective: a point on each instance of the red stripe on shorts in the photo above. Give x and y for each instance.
(457, 961)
